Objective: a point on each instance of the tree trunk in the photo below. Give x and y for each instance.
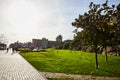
(106, 57)
(101, 50)
(117, 51)
(57, 50)
(96, 60)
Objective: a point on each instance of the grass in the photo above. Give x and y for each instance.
(74, 62)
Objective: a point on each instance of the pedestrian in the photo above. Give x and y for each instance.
(13, 50)
(7, 50)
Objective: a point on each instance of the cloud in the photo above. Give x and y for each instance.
(26, 19)
(20, 18)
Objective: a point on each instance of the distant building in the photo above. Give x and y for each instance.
(43, 43)
(36, 43)
(51, 44)
(39, 43)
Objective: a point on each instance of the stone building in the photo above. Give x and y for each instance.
(43, 43)
(51, 44)
(36, 43)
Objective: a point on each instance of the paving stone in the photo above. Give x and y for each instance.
(14, 67)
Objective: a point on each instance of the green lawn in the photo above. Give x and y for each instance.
(74, 62)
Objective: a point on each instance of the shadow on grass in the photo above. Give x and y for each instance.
(108, 71)
(115, 62)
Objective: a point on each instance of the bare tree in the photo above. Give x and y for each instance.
(3, 39)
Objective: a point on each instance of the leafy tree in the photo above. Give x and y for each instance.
(66, 45)
(99, 27)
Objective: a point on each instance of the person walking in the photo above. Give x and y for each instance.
(7, 50)
(13, 50)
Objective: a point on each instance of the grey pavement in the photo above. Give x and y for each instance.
(14, 67)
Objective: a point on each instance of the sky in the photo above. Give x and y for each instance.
(23, 20)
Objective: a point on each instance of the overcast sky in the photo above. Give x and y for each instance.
(23, 20)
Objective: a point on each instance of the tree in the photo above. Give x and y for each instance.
(98, 27)
(59, 42)
(115, 20)
(76, 43)
(66, 45)
(3, 39)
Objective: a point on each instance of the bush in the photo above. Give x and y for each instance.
(66, 45)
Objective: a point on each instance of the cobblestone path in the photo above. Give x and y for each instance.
(14, 67)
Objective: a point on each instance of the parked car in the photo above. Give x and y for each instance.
(2, 46)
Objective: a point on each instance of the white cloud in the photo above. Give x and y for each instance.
(23, 20)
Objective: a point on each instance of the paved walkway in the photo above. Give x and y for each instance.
(14, 67)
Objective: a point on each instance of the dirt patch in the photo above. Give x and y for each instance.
(76, 77)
